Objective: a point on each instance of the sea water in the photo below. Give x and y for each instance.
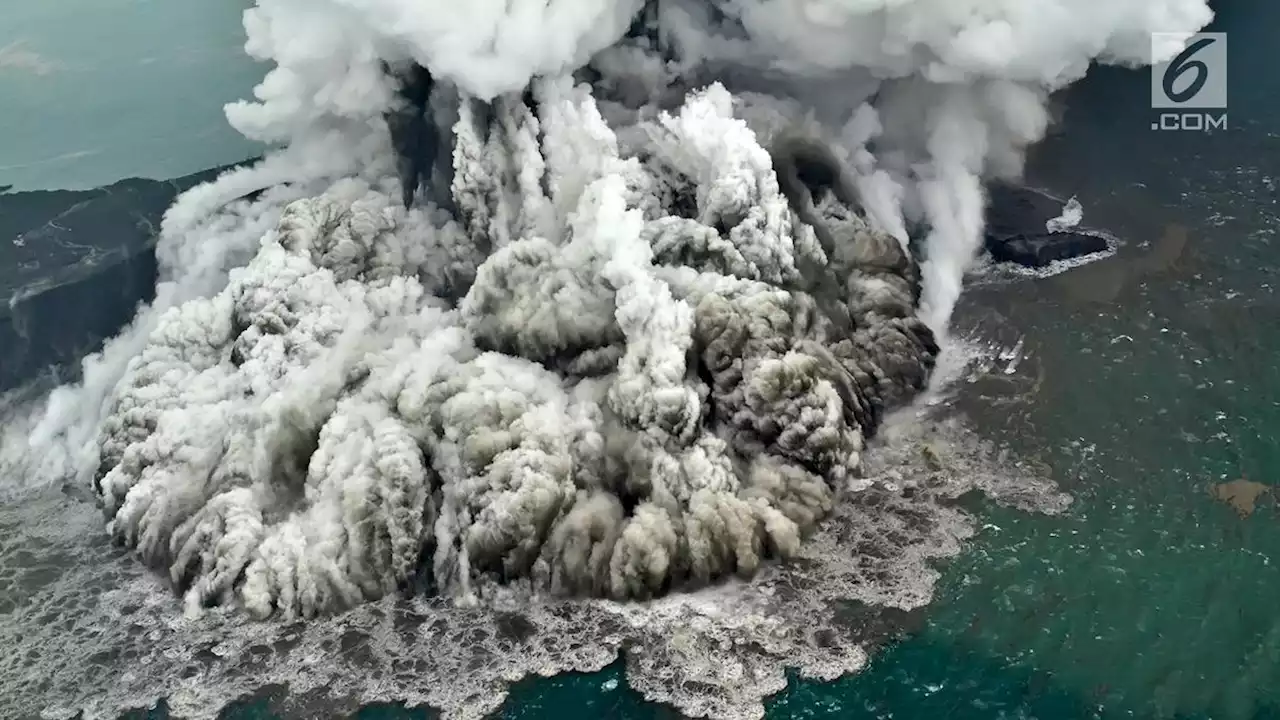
(92, 91)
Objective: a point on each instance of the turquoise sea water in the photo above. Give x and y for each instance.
(92, 91)
(1152, 376)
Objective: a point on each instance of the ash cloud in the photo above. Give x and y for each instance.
(625, 401)
(630, 337)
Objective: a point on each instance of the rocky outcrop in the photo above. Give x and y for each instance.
(1039, 250)
(1016, 229)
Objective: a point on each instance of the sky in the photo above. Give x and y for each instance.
(99, 90)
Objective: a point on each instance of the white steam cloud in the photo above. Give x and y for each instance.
(632, 349)
(625, 401)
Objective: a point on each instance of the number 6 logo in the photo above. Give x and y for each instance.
(1196, 77)
(1182, 64)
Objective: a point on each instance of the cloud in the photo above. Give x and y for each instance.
(17, 57)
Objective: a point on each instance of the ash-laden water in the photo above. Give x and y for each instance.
(606, 381)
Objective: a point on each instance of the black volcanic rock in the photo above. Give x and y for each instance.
(412, 133)
(1044, 248)
(1015, 230)
(74, 265)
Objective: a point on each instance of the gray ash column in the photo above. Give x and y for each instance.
(412, 133)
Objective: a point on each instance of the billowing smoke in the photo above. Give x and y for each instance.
(631, 335)
(637, 392)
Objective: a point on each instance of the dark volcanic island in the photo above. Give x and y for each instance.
(1016, 229)
(73, 267)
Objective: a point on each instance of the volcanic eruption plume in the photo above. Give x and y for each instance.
(591, 298)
